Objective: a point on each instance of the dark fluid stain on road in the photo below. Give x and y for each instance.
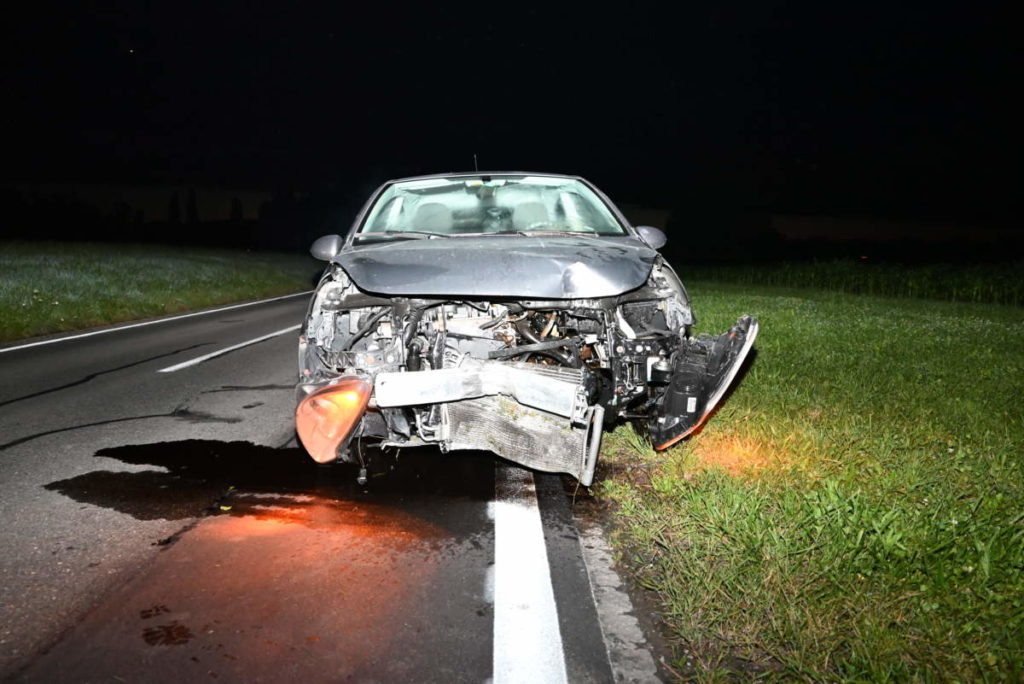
(206, 476)
(154, 611)
(298, 574)
(172, 634)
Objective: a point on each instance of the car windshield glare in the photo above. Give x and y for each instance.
(490, 204)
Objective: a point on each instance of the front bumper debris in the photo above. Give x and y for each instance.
(703, 370)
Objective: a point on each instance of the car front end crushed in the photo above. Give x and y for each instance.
(525, 345)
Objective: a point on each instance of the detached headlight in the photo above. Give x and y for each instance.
(326, 418)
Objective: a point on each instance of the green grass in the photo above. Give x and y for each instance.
(979, 283)
(48, 287)
(855, 511)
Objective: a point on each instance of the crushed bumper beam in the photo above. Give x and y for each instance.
(555, 390)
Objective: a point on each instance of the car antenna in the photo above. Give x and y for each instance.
(475, 167)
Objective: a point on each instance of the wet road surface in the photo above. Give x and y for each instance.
(162, 526)
(306, 578)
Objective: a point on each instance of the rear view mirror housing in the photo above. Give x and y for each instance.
(654, 237)
(327, 247)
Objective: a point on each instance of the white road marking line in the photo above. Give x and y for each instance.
(144, 323)
(527, 639)
(624, 641)
(206, 357)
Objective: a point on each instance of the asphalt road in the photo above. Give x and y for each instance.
(160, 524)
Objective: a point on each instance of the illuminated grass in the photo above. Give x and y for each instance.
(856, 509)
(48, 287)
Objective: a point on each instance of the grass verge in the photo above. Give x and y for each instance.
(855, 510)
(979, 283)
(48, 287)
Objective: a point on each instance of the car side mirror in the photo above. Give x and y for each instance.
(327, 247)
(654, 237)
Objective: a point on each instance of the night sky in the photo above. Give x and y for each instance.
(853, 108)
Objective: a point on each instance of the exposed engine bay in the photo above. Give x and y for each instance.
(533, 381)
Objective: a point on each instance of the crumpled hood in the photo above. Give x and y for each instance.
(531, 267)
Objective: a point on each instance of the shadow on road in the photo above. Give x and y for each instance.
(197, 477)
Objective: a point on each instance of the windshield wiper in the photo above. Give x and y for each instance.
(533, 233)
(493, 232)
(408, 234)
(561, 233)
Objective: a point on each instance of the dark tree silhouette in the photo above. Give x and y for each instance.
(174, 210)
(122, 215)
(237, 211)
(191, 208)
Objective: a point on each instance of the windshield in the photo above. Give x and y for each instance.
(490, 204)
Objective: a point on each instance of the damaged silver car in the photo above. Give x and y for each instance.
(516, 313)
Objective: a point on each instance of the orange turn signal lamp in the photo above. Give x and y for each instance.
(326, 418)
